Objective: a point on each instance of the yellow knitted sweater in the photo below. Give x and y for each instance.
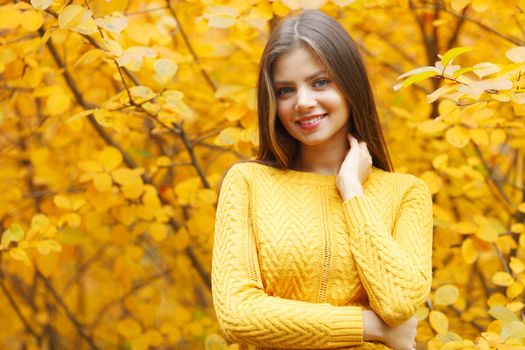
(294, 265)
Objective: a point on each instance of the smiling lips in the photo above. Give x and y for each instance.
(311, 119)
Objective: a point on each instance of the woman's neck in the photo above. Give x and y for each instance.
(321, 159)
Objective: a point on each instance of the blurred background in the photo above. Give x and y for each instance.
(118, 118)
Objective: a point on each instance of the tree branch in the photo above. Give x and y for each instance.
(79, 327)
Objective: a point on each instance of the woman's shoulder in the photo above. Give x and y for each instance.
(401, 181)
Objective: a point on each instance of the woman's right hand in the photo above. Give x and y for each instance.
(401, 337)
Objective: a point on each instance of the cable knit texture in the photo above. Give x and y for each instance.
(294, 265)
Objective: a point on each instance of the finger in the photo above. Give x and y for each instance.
(354, 143)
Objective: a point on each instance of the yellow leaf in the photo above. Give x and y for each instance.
(163, 161)
(110, 158)
(440, 162)
(485, 68)
(464, 227)
(497, 299)
(39, 222)
(62, 202)
(142, 92)
(182, 240)
(47, 264)
(221, 16)
(48, 245)
(343, 3)
(133, 57)
(31, 20)
(457, 136)
(446, 295)
(165, 69)
(458, 5)
(479, 136)
(432, 126)
(14, 233)
(89, 57)
(228, 136)
(433, 180)
(126, 177)
(502, 279)
(58, 103)
(487, 228)
(20, 255)
(497, 137)
(514, 329)
(129, 328)
(9, 17)
(229, 91)
(140, 343)
(516, 265)
(453, 53)
(518, 228)
(115, 23)
(481, 5)
(72, 219)
(514, 290)
(521, 207)
(158, 231)
(41, 4)
(516, 54)
(469, 251)
(90, 166)
(502, 313)
(515, 306)
(417, 78)
(215, 342)
(154, 337)
(280, 9)
(70, 16)
(102, 182)
(170, 331)
(207, 195)
(438, 321)
(421, 313)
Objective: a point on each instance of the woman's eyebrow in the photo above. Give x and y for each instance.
(311, 76)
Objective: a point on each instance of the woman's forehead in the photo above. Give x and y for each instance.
(298, 63)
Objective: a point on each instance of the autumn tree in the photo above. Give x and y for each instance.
(118, 118)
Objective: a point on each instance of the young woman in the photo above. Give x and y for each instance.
(318, 243)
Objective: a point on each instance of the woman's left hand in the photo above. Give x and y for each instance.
(355, 169)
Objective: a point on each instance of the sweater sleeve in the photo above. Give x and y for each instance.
(394, 267)
(246, 314)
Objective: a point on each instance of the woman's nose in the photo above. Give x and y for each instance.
(305, 99)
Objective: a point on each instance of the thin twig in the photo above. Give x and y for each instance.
(126, 295)
(79, 327)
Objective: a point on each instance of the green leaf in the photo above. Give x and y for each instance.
(416, 78)
(14, 233)
(453, 53)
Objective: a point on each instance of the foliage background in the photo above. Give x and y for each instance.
(118, 118)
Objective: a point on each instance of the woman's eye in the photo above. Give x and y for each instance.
(284, 91)
(321, 83)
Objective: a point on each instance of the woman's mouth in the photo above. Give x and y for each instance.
(311, 123)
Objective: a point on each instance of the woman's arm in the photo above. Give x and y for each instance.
(395, 267)
(246, 314)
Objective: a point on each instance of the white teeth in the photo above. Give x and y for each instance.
(312, 121)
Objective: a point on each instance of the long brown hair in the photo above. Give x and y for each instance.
(332, 44)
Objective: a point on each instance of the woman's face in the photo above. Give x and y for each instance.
(306, 92)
